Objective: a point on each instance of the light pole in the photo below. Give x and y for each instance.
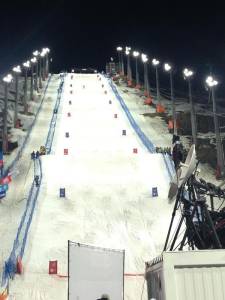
(188, 75)
(129, 71)
(155, 63)
(119, 50)
(42, 64)
(169, 69)
(37, 54)
(45, 63)
(16, 71)
(211, 82)
(33, 62)
(146, 81)
(47, 50)
(136, 55)
(7, 80)
(122, 63)
(36, 84)
(26, 66)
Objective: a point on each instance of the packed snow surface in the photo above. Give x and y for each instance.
(108, 200)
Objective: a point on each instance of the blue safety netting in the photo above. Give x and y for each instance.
(145, 140)
(22, 232)
(51, 132)
(23, 229)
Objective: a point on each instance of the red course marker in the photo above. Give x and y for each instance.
(52, 268)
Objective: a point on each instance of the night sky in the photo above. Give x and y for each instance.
(85, 34)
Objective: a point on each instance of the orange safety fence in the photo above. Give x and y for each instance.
(4, 295)
(146, 94)
(170, 124)
(125, 274)
(160, 108)
(129, 83)
(148, 101)
(134, 274)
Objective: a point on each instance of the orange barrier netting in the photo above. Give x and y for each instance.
(160, 108)
(133, 274)
(148, 101)
(129, 83)
(125, 274)
(170, 124)
(4, 295)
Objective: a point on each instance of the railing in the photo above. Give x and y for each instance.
(51, 132)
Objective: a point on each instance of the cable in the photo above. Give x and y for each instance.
(142, 289)
(220, 205)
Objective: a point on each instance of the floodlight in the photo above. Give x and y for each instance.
(187, 72)
(167, 67)
(211, 81)
(155, 62)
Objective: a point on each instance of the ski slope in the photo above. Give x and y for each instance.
(108, 193)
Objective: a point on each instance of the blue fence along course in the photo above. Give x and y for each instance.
(145, 140)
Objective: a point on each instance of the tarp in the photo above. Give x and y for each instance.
(95, 271)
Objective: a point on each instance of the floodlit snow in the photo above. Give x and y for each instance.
(108, 193)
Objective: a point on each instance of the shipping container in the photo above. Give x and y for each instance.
(187, 275)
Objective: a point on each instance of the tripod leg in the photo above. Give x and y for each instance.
(172, 219)
(177, 232)
(215, 236)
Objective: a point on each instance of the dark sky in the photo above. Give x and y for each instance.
(86, 33)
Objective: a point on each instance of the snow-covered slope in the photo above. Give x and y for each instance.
(108, 194)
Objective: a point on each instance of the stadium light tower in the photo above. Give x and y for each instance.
(129, 71)
(42, 63)
(168, 68)
(45, 63)
(120, 57)
(16, 72)
(155, 63)
(212, 83)
(33, 62)
(47, 50)
(26, 66)
(188, 74)
(7, 80)
(37, 54)
(136, 54)
(146, 81)
(36, 85)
